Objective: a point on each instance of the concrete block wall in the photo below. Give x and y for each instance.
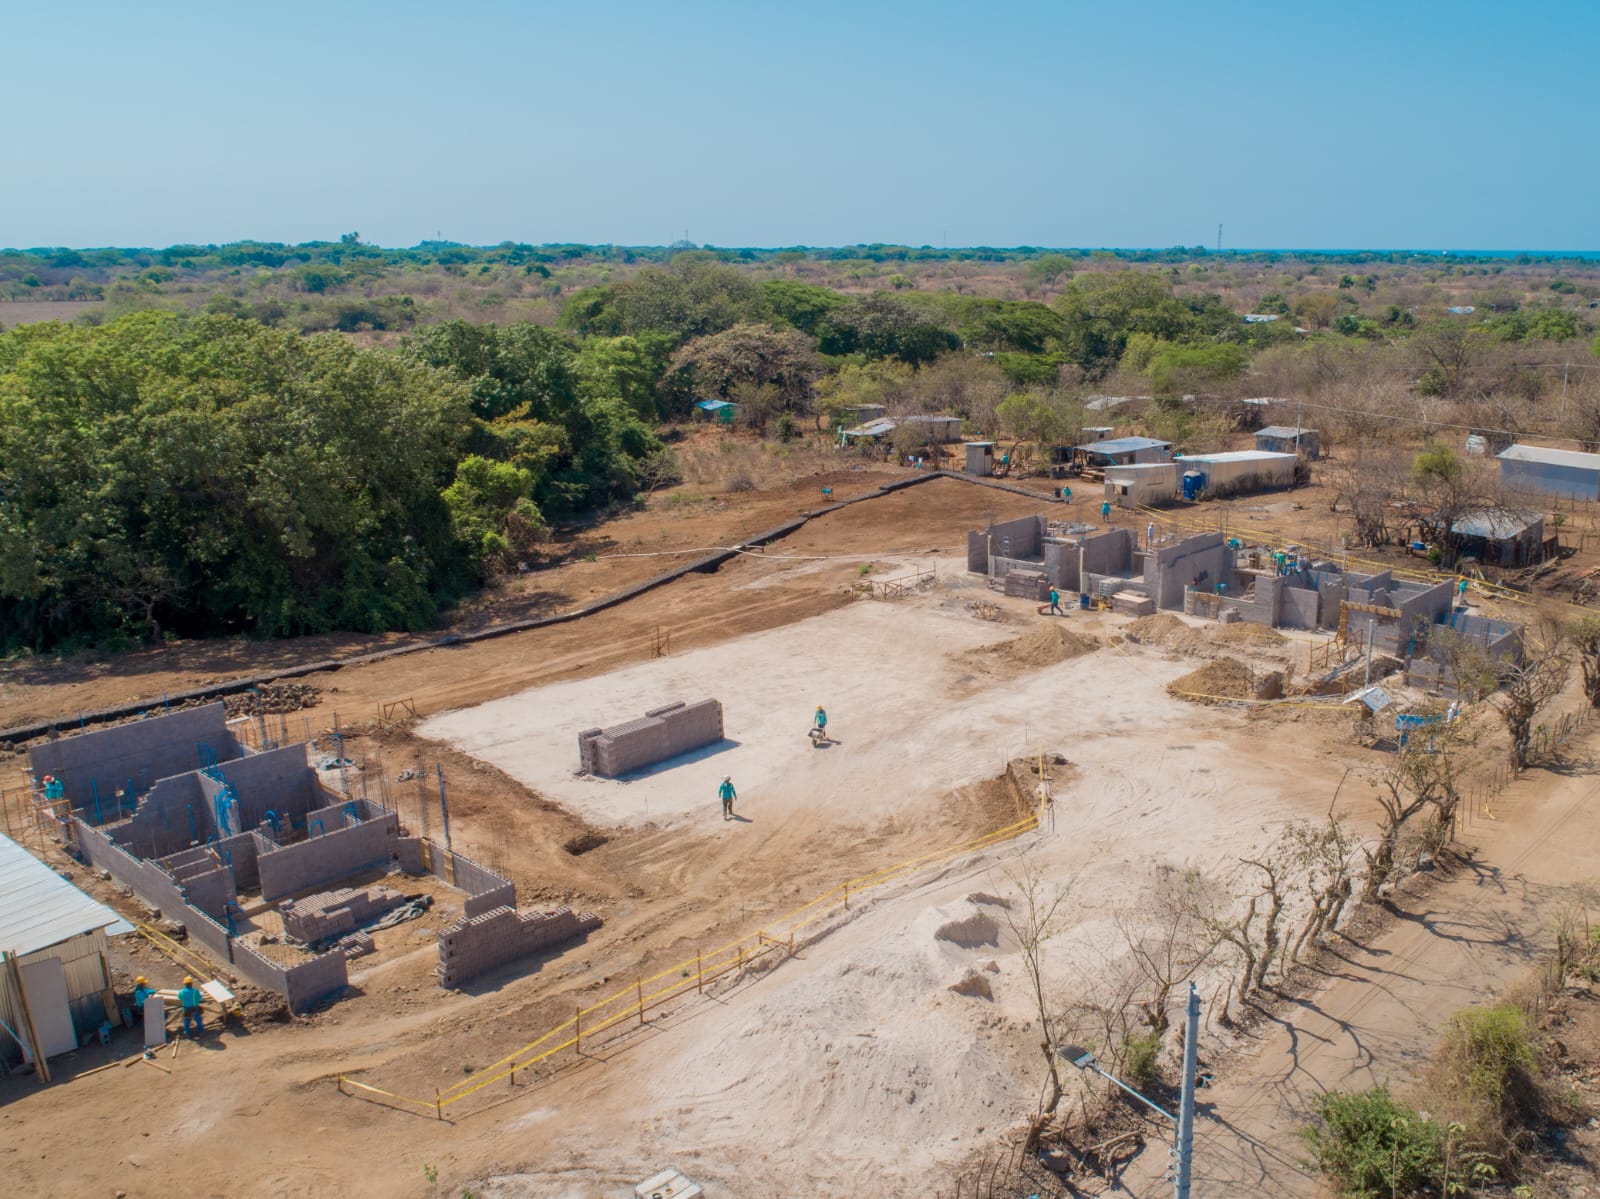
(302, 986)
(475, 944)
(977, 551)
(1019, 538)
(171, 816)
(1300, 608)
(672, 730)
(144, 751)
(280, 781)
(1263, 607)
(1170, 568)
(323, 859)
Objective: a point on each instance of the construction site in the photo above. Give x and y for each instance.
(484, 928)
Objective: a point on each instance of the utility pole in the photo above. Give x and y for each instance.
(444, 807)
(1191, 1037)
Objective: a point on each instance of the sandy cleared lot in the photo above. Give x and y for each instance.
(854, 1067)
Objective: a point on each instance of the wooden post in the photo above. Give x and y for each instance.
(15, 973)
(341, 1083)
(699, 973)
(438, 1105)
(577, 1034)
(107, 996)
(639, 984)
(847, 897)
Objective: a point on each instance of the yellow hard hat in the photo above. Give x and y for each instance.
(140, 981)
(188, 981)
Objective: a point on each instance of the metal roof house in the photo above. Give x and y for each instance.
(1502, 538)
(1286, 439)
(1543, 471)
(57, 935)
(939, 429)
(1126, 451)
(870, 431)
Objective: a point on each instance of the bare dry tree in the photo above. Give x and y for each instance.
(1167, 937)
(1424, 776)
(1527, 686)
(1035, 920)
(1324, 854)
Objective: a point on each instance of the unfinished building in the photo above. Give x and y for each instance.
(659, 734)
(216, 837)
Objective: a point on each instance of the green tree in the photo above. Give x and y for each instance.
(882, 326)
(752, 355)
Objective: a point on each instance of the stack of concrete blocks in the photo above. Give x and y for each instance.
(356, 945)
(330, 914)
(1133, 603)
(475, 944)
(660, 734)
(1027, 584)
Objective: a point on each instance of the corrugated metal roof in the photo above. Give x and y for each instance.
(1549, 457)
(924, 420)
(1124, 445)
(713, 405)
(1496, 526)
(1238, 456)
(1283, 431)
(39, 908)
(873, 428)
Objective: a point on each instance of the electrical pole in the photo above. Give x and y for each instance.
(1186, 1107)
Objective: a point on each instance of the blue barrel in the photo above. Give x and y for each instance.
(1083, 601)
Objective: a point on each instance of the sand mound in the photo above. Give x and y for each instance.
(1043, 646)
(1168, 632)
(1223, 678)
(977, 929)
(1159, 629)
(974, 986)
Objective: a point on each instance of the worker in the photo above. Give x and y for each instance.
(727, 795)
(1150, 535)
(1105, 511)
(1066, 494)
(189, 999)
(1461, 590)
(142, 990)
(820, 721)
(1055, 603)
(52, 787)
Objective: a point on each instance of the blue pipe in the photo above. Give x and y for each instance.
(316, 824)
(99, 817)
(193, 836)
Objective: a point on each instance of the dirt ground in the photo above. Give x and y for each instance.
(816, 1075)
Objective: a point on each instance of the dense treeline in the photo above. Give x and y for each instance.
(219, 468)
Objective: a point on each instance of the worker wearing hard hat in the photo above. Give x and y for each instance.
(141, 991)
(189, 998)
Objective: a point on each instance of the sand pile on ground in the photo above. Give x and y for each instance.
(1169, 633)
(1223, 678)
(1044, 646)
(977, 929)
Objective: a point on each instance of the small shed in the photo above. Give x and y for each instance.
(980, 458)
(57, 935)
(1543, 471)
(1235, 471)
(1287, 439)
(721, 412)
(1501, 538)
(939, 430)
(1125, 451)
(1093, 433)
(1147, 483)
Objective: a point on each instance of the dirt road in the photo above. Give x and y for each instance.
(1377, 1018)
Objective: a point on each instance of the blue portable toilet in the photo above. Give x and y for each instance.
(1193, 484)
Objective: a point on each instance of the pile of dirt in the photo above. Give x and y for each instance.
(973, 985)
(1169, 633)
(1220, 679)
(1044, 646)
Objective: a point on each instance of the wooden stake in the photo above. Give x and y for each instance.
(42, 1066)
(577, 1033)
(639, 984)
(156, 1065)
(438, 1104)
(699, 973)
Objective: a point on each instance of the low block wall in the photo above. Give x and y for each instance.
(475, 944)
(660, 734)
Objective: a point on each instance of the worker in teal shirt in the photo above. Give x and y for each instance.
(1105, 511)
(141, 991)
(821, 720)
(1055, 602)
(727, 795)
(190, 999)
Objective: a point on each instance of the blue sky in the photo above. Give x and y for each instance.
(1464, 125)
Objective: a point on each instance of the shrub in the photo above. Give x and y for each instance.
(1373, 1146)
(1139, 1051)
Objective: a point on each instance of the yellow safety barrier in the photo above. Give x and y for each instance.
(706, 967)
